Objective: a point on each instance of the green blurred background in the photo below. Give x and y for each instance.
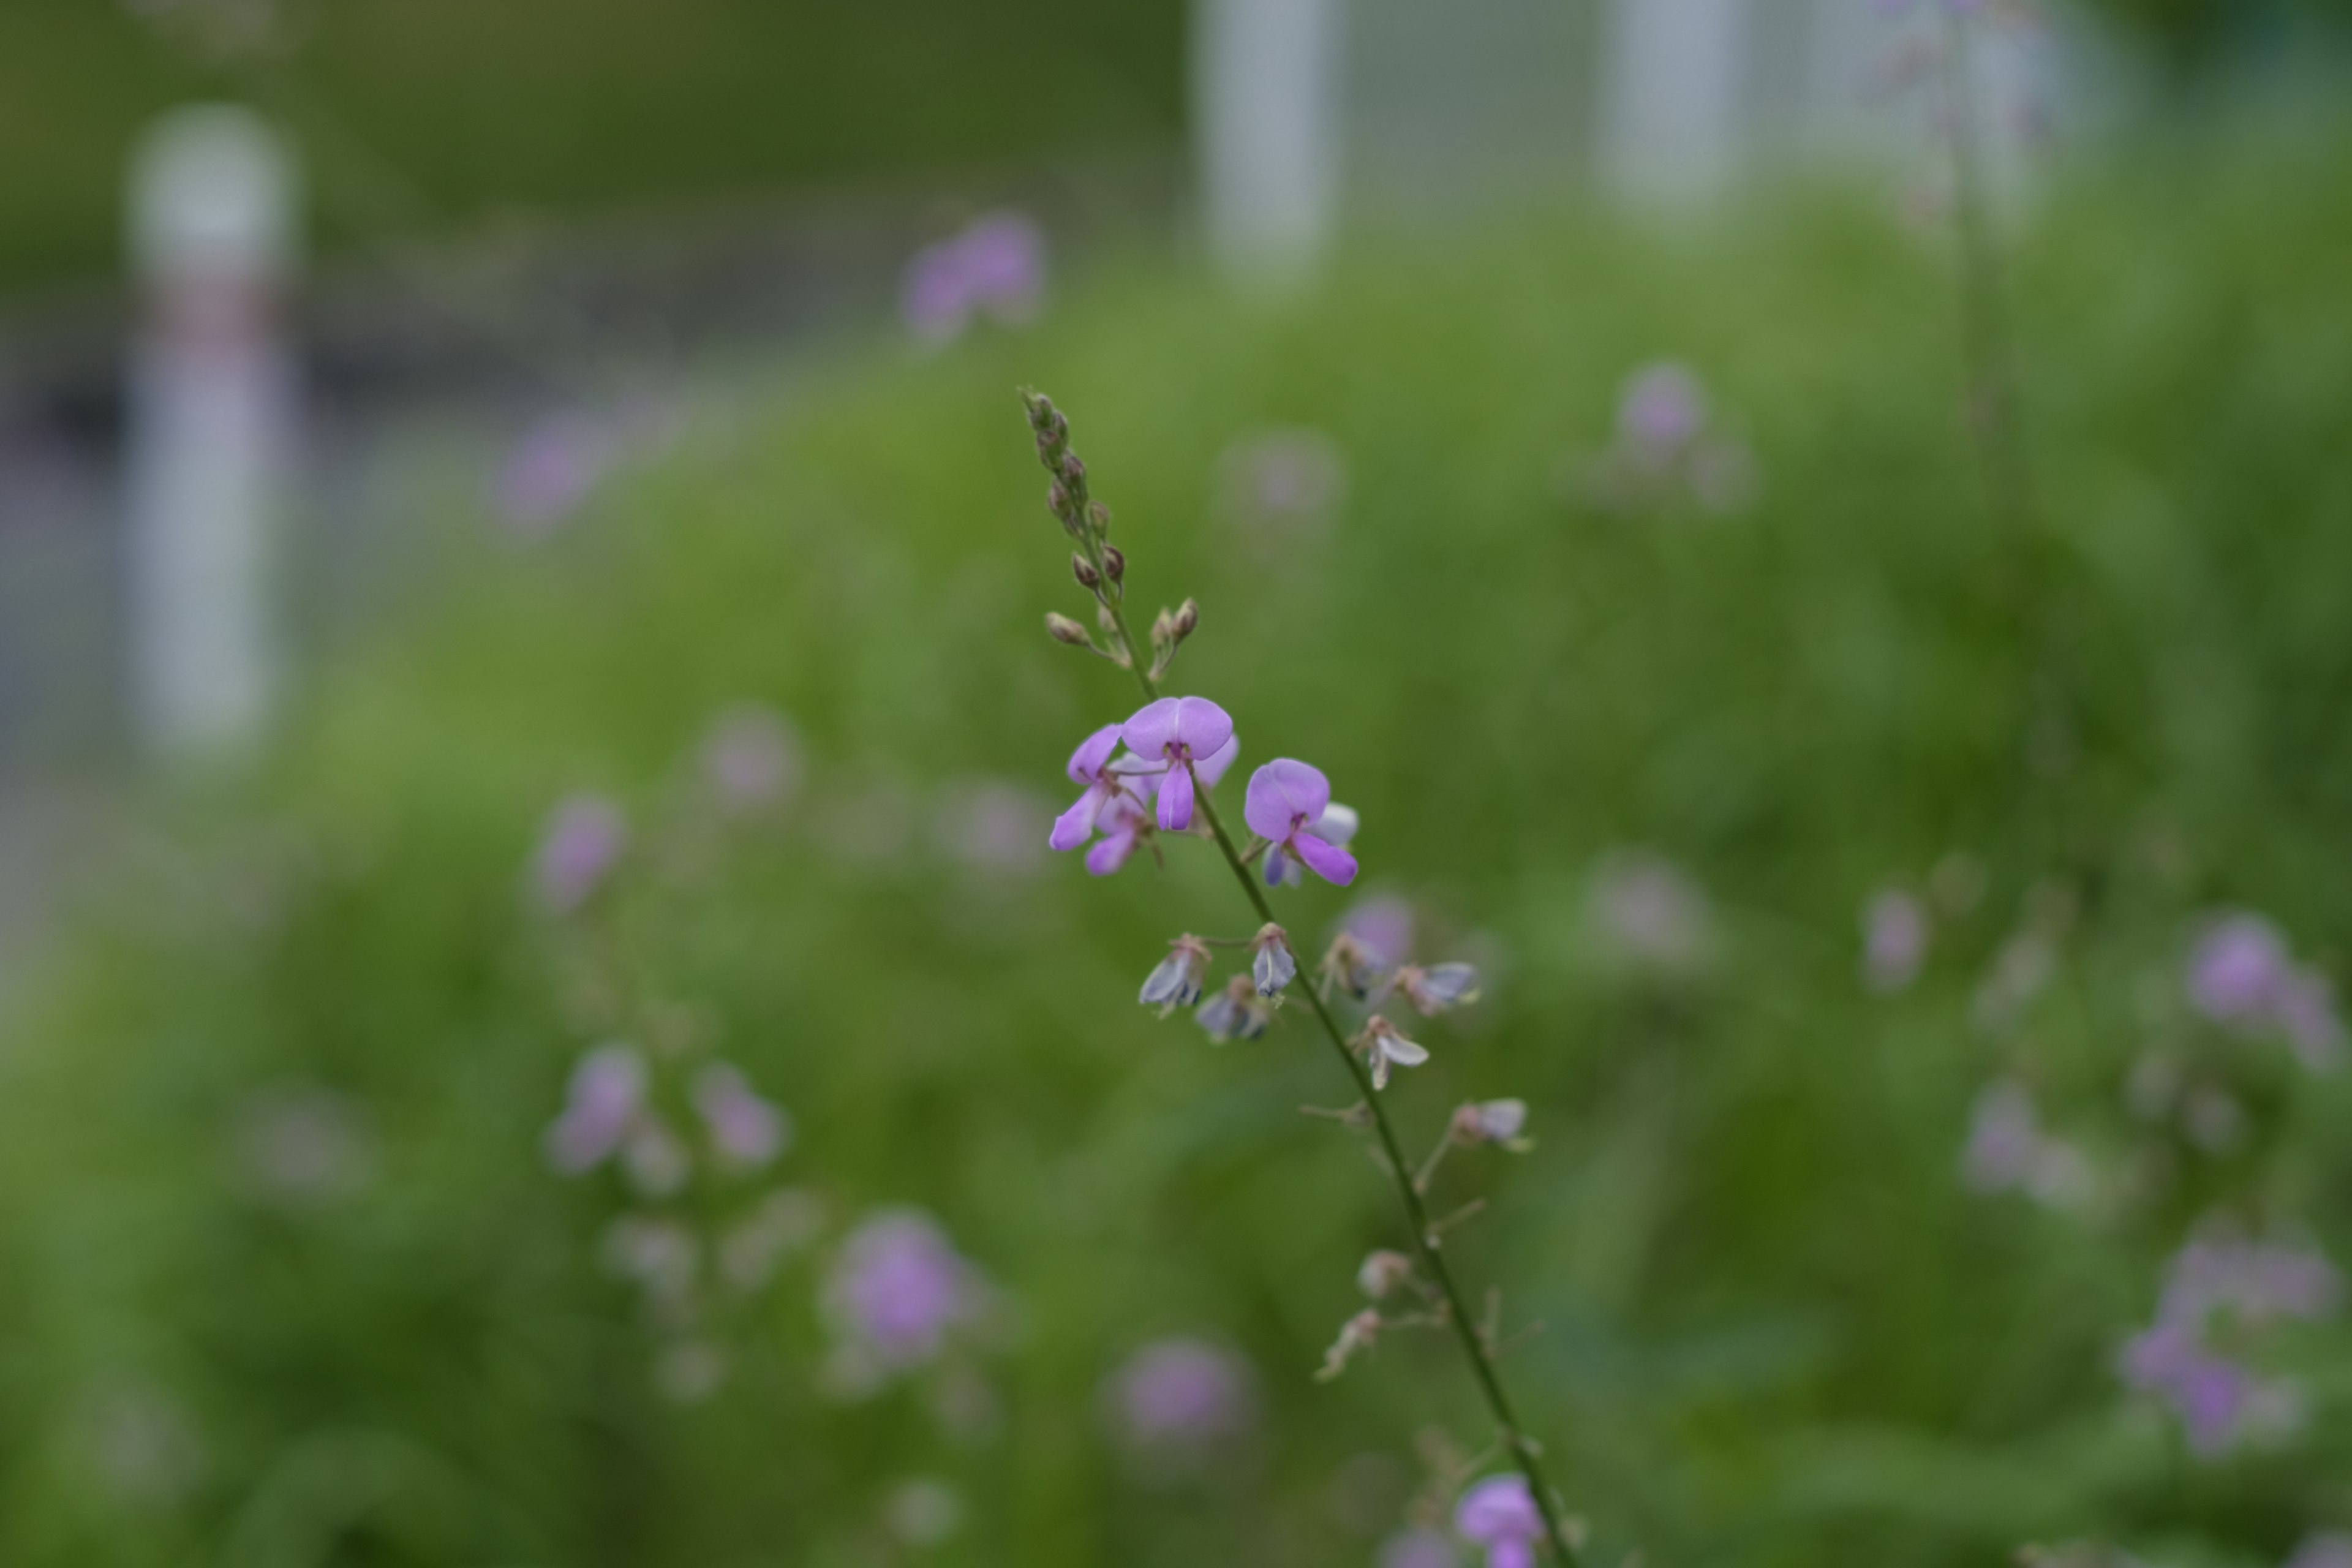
(284, 1277)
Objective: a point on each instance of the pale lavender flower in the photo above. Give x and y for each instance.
(606, 1097)
(2236, 970)
(1182, 1395)
(2211, 1394)
(752, 758)
(1418, 1549)
(1661, 411)
(1647, 913)
(1439, 988)
(898, 1289)
(2327, 1550)
(994, 267)
(2008, 1151)
(1236, 1013)
(659, 1256)
(991, 826)
(1489, 1121)
(1175, 981)
(1384, 926)
(1384, 1047)
(747, 1129)
(558, 462)
(1286, 804)
(1499, 1514)
(2220, 1401)
(1894, 930)
(1282, 478)
(584, 838)
(656, 1158)
(2258, 1282)
(1169, 734)
(2305, 1011)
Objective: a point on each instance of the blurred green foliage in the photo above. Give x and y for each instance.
(1776, 1329)
(432, 113)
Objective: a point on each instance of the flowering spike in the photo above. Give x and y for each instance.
(1272, 964)
(1176, 981)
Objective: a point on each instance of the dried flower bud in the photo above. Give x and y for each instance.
(1439, 988)
(1084, 570)
(1359, 1332)
(1382, 1272)
(1271, 963)
(1176, 981)
(1187, 619)
(1236, 1013)
(1114, 563)
(1061, 628)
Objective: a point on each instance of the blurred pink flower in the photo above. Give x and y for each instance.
(1894, 930)
(554, 466)
(1182, 1395)
(2240, 974)
(1383, 925)
(748, 1131)
(994, 267)
(752, 758)
(606, 1096)
(898, 1288)
(1647, 914)
(1499, 1514)
(1661, 411)
(1282, 478)
(584, 840)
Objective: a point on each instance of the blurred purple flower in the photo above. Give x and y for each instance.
(2257, 1282)
(552, 469)
(785, 1221)
(583, 839)
(1418, 1549)
(752, 758)
(1894, 930)
(995, 268)
(1661, 411)
(606, 1096)
(990, 825)
(2008, 1151)
(1288, 800)
(656, 1158)
(898, 1288)
(1282, 478)
(2211, 1394)
(2327, 1550)
(659, 1256)
(1170, 734)
(1384, 926)
(748, 1131)
(1646, 914)
(2236, 969)
(2220, 1401)
(1182, 1395)
(2305, 1011)
(1500, 1515)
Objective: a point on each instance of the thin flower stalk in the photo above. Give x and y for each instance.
(1099, 568)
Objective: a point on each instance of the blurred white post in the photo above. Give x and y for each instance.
(1672, 89)
(1267, 132)
(209, 433)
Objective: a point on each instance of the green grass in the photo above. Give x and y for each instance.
(1778, 1330)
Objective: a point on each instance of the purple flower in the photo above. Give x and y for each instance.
(1089, 768)
(1894, 941)
(1283, 477)
(1649, 914)
(606, 1096)
(1284, 806)
(2236, 970)
(554, 466)
(1499, 1515)
(996, 268)
(1182, 1394)
(1236, 1013)
(990, 825)
(898, 1289)
(1418, 1549)
(1123, 824)
(584, 838)
(2306, 1012)
(1439, 988)
(1175, 981)
(751, 758)
(1663, 409)
(1384, 926)
(745, 1128)
(1171, 734)
(1490, 1121)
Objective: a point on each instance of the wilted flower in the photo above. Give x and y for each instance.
(1272, 966)
(1182, 1394)
(898, 1289)
(1237, 1012)
(1499, 1515)
(751, 758)
(1176, 981)
(1489, 1121)
(1171, 734)
(1359, 1333)
(994, 267)
(1381, 1272)
(584, 836)
(1439, 988)
(606, 1096)
(1352, 966)
(747, 1129)
(1648, 914)
(1894, 941)
(1287, 806)
(1384, 1047)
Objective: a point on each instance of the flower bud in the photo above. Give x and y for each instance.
(1382, 1272)
(1187, 618)
(1491, 1121)
(1099, 515)
(1061, 628)
(1058, 501)
(1083, 569)
(1114, 563)
(1073, 471)
(1163, 631)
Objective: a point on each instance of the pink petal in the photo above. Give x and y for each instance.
(1076, 825)
(1328, 861)
(1150, 729)
(1086, 762)
(1176, 802)
(1283, 795)
(1203, 726)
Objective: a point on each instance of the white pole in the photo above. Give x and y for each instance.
(1672, 90)
(1267, 132)
(210, 426)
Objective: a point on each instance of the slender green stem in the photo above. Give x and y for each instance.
(1426, 1240)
